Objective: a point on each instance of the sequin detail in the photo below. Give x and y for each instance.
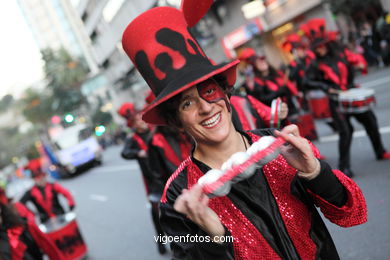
(248, 242)
(353, 213)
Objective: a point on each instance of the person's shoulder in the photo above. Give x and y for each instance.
(176, 183)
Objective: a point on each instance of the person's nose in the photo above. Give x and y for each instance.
(205, 107)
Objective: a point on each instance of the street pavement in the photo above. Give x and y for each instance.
(114, 216)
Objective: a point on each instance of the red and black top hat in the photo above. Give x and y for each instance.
(126, 110)
(35, 166)
(246, 54)
(315, 31)
(168, 57)
(149, 97)
(293, 41)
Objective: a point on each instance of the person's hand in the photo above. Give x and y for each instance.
(142, 154)
(361, 66)
(250, 82)
(283, 111)
(194, 204)
(333, 91)
(298, 152)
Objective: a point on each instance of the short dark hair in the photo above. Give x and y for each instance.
(170, 108)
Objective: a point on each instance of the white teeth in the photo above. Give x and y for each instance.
(212, 121)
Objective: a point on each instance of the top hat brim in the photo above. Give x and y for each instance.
(187, 80)
(318, 42)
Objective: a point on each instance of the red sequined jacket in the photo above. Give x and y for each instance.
(271, 215)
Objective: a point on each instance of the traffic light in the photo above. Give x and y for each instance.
(69, 118)
(55, 120)
(99, 130)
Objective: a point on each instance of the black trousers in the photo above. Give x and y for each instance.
(345, 135)
(370, 124)
(345, 129)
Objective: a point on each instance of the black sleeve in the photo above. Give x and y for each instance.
(176, 224)
(311, 81)
(266, 96)
(327, 186)
(293, 72)
(130, 149)
(5, 250)
(158, 168)
(26, 197)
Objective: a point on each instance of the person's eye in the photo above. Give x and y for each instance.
(210, 91)
(186, 104)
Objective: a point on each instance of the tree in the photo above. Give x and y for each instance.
(101, 118)
(5, 102)
(17, 145)
(64, 75)
(37, 106)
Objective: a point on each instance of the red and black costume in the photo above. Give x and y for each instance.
(133, 145)
(21, 238)
(274, 85)
(334, 71)
(46, 200)
(167, 149)
(26, 242)
(298, 66)
(248, 113)
(271, 215)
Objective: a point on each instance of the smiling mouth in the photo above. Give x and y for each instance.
(213, 121)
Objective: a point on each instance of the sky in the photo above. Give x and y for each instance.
(20, 60)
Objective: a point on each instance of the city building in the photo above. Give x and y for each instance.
(104, 22)
(55, 24)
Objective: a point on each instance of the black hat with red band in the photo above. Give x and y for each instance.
(168, 57)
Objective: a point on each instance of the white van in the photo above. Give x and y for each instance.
(77, 146)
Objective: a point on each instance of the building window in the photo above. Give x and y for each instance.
(94, 36)
(111, 9)
(106, 64)
(84, 17)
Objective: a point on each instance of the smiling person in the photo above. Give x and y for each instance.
(270, 215)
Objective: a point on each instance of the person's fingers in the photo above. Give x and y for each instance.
(297, 142)
(179, 205)
(204, 201)
(193, 202)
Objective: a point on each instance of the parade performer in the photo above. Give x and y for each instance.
(302, 59)
(269, 84)
(332, 73)
(44, 195)
(21, 238)
(248, 113)
(137, 147)
(272, 214)
(167, 149)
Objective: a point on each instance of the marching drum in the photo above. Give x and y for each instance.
(64, 232)
(319, 104)
(306, 125)
(356, 100)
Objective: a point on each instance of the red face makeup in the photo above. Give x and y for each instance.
(211, 92)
